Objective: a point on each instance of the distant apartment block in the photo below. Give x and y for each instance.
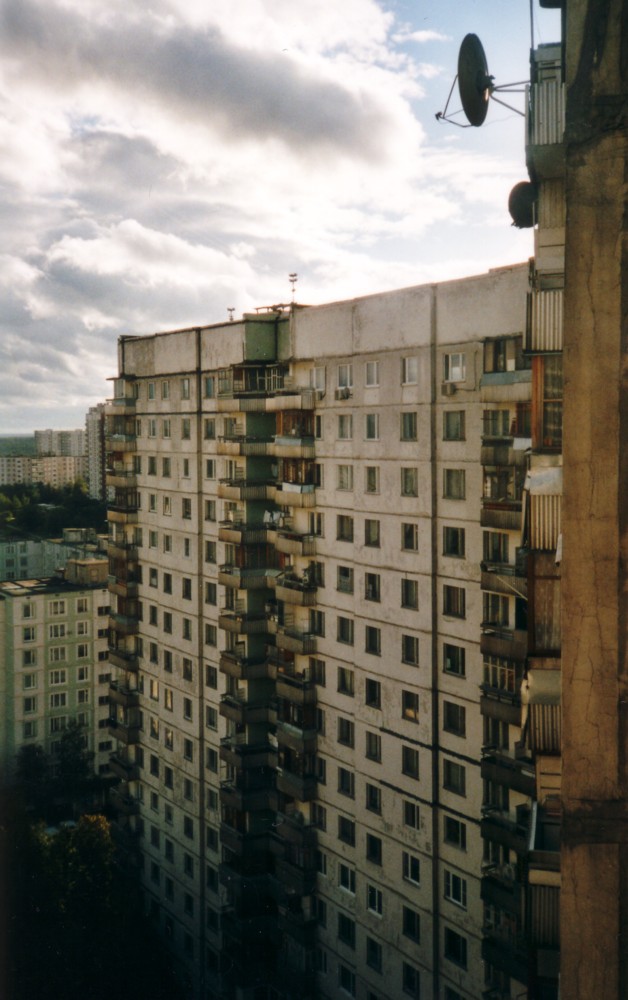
(54, 661)
(26, 559)
(65, 443)
(315, 561)
(95, 451)
(54, 470)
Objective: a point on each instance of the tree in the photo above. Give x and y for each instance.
(33, 777)
(74, 771)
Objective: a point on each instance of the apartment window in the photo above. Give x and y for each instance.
(373, 693)
(409, 370)
(211, 760)
(345, 630)
(57, 677)
(454, 367)
(410, 761)
(152, 427)
(57, 654)
(374, 900)
(346, 980)
(373, 749)
(152, 465)
(409, 537)
(168, 699)
(373, 798)
(372, 532)
(409, 430)
(29, 705)
(346, 878)
(346, 731)
(56, 607)
(453, 659)
(411, 923)
(455, 833)
(371, 429)
(371, 374)
(495, 610)
(346, 830)
(168, 661)
(409, 593)
(409, 482)
(165, 428)
(453, 541)
(454, 425)
(211, 676)
(495, 547)
(454, 718)
(345, 579)
(346, 681)
(411, 815)
(168, 622)
(29, 657)
(410, 649)
(167, 506)
(167, 543)
(167, 583)
(410, 706)
(373, 849)
(373, 640)
(372, 586)
(411, 980)
(345, 477)
(187, 709)
(455, 947)
(166, 467)
(454, 777)
(56, 631)
(373, 954)
(456, 889)
(371, 479)
(548, 415)
(317, 622)
(211, 593)
(411, 868)
(454, 484)
(345, 376)
(209, 428)
(29, 681)
(29, 730)
(453, 601)
(319, 816)
(345, 427)
(29, 633)
(188, 750)
(344, 528)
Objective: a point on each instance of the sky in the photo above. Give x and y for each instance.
(164, 161)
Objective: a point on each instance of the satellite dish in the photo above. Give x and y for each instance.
(476, 85)
(522, 204)
(474, 81)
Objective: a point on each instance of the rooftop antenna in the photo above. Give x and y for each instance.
(293, 278)
(476, 86)
(231, 310)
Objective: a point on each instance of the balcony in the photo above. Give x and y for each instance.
(123, 768)
(500, 887)
(122, 694)
(123, 803)
(121, 442)
(121, 548)
(242, 623)
(243, 844)
(296, 590)
(300, 926)
(302, 739)
(293, 446)
(503, 578)
(292, 398)
(295, 878)
(302, 787)
(502, 514)
(501, 704)
(292, 543)
(123, 624)
(124, 732)
(243, 578)
(240, 533)
(507, 951)
(295, 686)
(503, 642)
(545, 126)
(291, 827)
(295, 640)
(241, 755)
(245, 489)
(123, 659)
(237, 795)
(242, 444)
(246, 668)
(506, 828)
(506, 769)
(295, 494)
(246, 713)
(121, 477)
(544, 324)
(123, 587)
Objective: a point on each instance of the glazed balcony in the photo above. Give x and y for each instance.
(246, 668)
(292, 398)
(295, 590)
(293, 543)
(122, 548)
(123, 659)
(243, 444)
(246, 845)
(242, 755)
(295, 878)
(122, 694)
(239, 533)
(295, 686)
(501, 514)
(291, 827)
(295, 494)
(545, 126)
(295, 640)
(242, 622)
(501, 888)
(243, 578)
(507, 950)
(501, 704)
(121, 442)
(544, 324)
(506, 828)
(246, 489)
(298, 737)
(123, 624)
(123, 768)
(503, 578)
(302, 927)
(508, 769)
(123, 803)
(121, 477)
(246, 712)
(245, 797)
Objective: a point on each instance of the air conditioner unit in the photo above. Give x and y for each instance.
(344, 393)
(448, 388)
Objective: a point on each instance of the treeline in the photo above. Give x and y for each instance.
(44, 511)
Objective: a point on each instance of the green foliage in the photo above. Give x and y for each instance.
(38, 509)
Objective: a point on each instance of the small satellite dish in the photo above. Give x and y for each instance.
(474, 81)
(522, 204)
(476, 85)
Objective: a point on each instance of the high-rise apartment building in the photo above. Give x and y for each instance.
(54, 661)
(95, 451)
(315, 552)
